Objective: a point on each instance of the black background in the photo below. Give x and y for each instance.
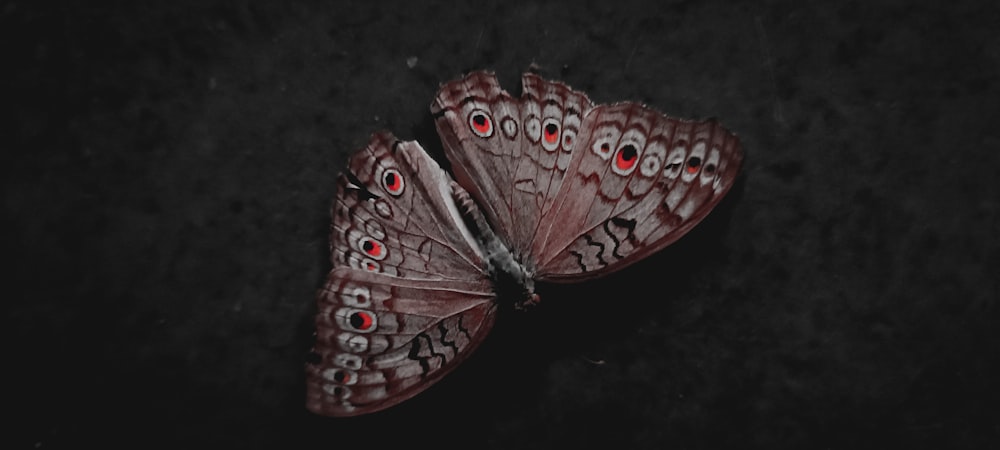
(166, 198)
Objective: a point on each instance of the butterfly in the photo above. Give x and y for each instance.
(547, 187)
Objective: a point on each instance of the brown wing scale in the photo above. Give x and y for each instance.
(513, 166)
(572, 190)
(641, 181)
(409, 297)
(413, 230)
(383, 339)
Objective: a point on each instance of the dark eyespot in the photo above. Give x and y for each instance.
(481, 123)
(361, 320)
(551, 133)
(693, 163)
(627, 156)
(372, 247)
(392, 181)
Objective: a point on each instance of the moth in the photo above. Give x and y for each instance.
(547, 187)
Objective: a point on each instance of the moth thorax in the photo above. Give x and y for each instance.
(512, 281)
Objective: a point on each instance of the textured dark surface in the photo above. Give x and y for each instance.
(165, 206)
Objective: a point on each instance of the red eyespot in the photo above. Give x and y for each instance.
(602, 149)
(365, 263)
(551, 133)
(342, 377)
(361, 320)
(626, 158)
(481, 124)
(693, 163)
(372, 248)
(392, 182)
(358, 320)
